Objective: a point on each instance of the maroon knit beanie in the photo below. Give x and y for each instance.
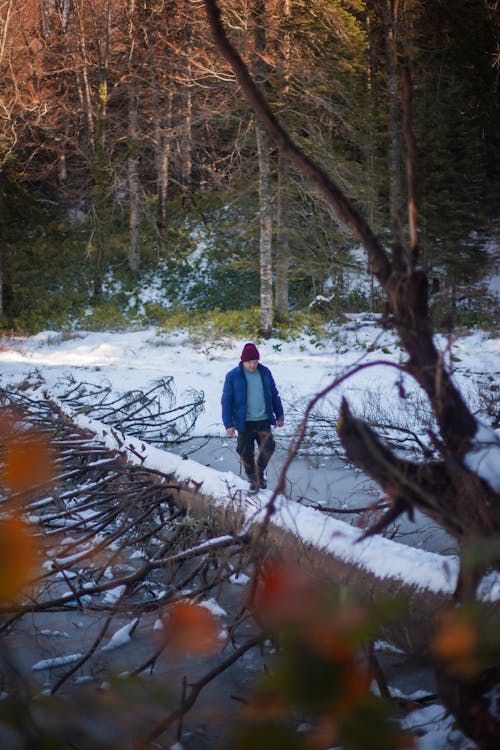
(249, 353)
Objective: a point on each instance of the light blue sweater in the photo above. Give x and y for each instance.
(256, 404)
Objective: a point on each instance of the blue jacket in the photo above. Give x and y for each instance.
(234, 397)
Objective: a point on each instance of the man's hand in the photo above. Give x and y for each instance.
(230, 431)
(280, 422)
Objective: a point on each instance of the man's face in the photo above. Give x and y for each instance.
(251, 365)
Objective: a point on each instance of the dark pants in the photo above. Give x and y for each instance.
(260, 433)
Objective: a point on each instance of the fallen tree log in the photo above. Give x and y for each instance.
(328, 549)
(125, 482)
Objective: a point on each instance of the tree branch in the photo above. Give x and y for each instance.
(342, 207)
(407, 290)
(426, 486)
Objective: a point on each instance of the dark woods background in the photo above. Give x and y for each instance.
(127, 152)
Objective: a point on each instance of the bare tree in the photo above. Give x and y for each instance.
(265, 205)
(389, 13)
(453, 491)
(282, 234)
(265, 233)
(133, 157)
(282, 238)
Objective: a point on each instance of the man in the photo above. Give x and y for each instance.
(250, 405)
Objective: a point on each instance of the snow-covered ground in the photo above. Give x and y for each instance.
(134, 360)
(301, 368)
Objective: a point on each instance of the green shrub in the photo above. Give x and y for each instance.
(477, 317)
(46, 309)
(216, 326)
(298, 323)
(105, 315)
(222, 325)
(474, 312)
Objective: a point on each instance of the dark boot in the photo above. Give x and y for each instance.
(252, 480)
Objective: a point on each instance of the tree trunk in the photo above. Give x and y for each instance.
(282, 238)
(163, 150)
(394, 154)
(133, 185)
(265, 203)
(84, 82)
(187, 145)
(410, 161)
(282, 246)
(1, 280)
(4, 31)
(95, 118)
(162, 112)
(371, 157)
(266, 234)
(133, 148)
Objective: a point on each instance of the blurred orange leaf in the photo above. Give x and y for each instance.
(355, 686)
(192, 628)
(455, 642)
(17, 556)
(331, 634)
(329, 642)
(323, 735)
(265, 706)
(285, 594)
(406, 741)
(27, 464)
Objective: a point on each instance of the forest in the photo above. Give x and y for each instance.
(126, 148)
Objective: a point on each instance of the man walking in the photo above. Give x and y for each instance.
(250, 405)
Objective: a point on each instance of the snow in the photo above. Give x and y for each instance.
(213, 606)
(135, 359)
(239, 579)
(384, 558)
(436, 728)
(484, 456)
(58, 661)
(52, 633)
(122, 636)
(112, 596)
(494, 286)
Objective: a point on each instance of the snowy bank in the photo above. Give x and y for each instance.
(383, 558)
